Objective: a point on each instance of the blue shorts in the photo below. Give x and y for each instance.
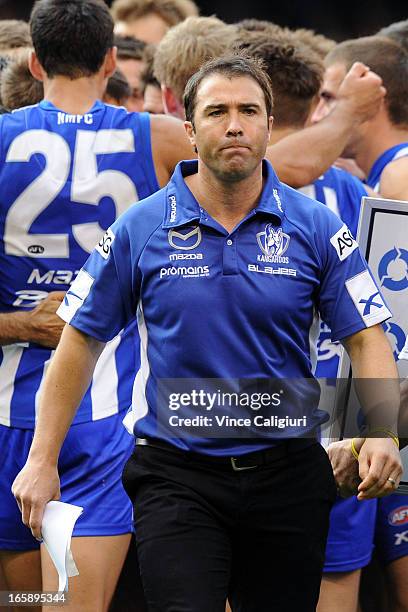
(356, 527)
(350, 541)
(90, 467)
(391, 535)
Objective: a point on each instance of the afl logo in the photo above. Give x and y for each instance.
(399, 516)
(36, 249)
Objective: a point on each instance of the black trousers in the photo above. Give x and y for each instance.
(205, 532)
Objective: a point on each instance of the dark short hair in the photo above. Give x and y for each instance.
(71, 37)
(295, 71)
(147, 76)
(388, 60)
(117, 87)
(231, 66)
(129, 47)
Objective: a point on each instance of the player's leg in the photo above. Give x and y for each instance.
(91, 465)
(339, 592)
(19, 552)
(397, 579)
(348, 549)
(392, 544)
(99, 561)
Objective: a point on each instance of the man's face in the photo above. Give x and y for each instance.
(153, 101)
(333, 77)
(332, 80)
(231, 128)
(132, 70)
(151, 28)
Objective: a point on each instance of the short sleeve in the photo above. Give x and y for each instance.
(349, 299)
(103, 298)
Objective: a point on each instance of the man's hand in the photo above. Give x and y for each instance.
(345, 466)
(362, 91)
(44, 325)
(33, 488)
(350, 166)
(379, 460)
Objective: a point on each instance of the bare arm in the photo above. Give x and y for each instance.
(41, 325)
(394, 180)
(302, 157)
(67, 379)
(377, 385)
(169, 145)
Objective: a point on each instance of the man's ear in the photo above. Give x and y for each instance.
(35, 67)
(270, 124)
(110, 62)
(188, 126)
(171, 104)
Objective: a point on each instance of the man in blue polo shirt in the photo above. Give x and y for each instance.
(224, 270)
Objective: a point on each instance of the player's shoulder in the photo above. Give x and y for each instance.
(143, 218)
(301, 209)
(19, 116)
(393, 181)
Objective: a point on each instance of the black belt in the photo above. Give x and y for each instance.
(249, 461)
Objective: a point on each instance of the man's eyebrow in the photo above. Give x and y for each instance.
(215, 105)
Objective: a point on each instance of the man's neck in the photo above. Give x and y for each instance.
(377, 141)
(75, 96)
(227, 203)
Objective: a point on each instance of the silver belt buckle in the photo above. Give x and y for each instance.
(236, 468)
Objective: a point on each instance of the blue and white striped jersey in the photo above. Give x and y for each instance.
(396, 152)
(342, 193)
(64, 180)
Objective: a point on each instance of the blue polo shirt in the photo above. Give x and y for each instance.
(214, 305)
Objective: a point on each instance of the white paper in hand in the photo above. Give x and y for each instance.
(57, 526)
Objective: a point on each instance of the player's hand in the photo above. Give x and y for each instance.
(44, 325)
(33, 488)
(345, 466)
(362, 91)
(379, 459)
(350, 166)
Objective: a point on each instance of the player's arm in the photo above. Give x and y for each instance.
(41, 325)
(394, 180)
(377, 386)
(169, 145)
(301, 158)
(67, 379)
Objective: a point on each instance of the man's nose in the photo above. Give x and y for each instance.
(234, 126)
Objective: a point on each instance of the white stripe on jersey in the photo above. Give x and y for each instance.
(11, 359)
(313, 337)
(139, 403)
(104, 390)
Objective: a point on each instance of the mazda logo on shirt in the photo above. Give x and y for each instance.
(185, 242)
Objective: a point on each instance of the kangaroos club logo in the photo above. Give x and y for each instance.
(273, 242)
